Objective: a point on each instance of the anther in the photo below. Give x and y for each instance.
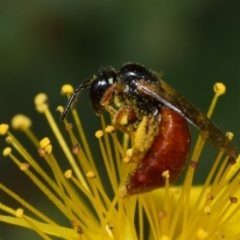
(166, 174)
(24, 166)
(210, 196)
(67, 89)
(219, 88)
(7, 151)
(68, 174)
(99, 134)
(44, 142)
(76, 148)
(19, 213)
(233, 199)
(91, 174)
(162, 214)
(194, 164)
(21, 122)
(110, 129)
(3, 128)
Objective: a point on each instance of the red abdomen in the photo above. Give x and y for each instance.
(169, 151)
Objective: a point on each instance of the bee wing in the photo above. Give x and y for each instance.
(169, 97)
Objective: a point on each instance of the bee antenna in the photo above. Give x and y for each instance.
(73, 99)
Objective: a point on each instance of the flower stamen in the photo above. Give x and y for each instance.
(42, 107)
(19, 214)
(82, 196)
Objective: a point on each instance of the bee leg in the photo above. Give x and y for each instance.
(107, 98)
(144, 137)
(122, 117)
(125, 115)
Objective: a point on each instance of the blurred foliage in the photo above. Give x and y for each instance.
(45, 44)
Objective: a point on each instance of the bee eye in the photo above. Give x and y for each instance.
(99, 86)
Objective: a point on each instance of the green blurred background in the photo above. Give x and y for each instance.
(45, 44)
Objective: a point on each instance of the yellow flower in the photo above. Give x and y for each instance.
(209, 211)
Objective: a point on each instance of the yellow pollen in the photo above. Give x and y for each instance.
(3, 128)
(19, 212)
(91, 174)
(68, 174)
(123, 192)
(219, 88)
(67, 89)
(7, 151)
(230, 135)
(44, 142)
(202, 234)
(24, 166)
(124, 120)
(99, 134)
(109, 129)
(21, 121)
(166, 174)
(48, 149)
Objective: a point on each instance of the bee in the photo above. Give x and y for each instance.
(137, 96)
